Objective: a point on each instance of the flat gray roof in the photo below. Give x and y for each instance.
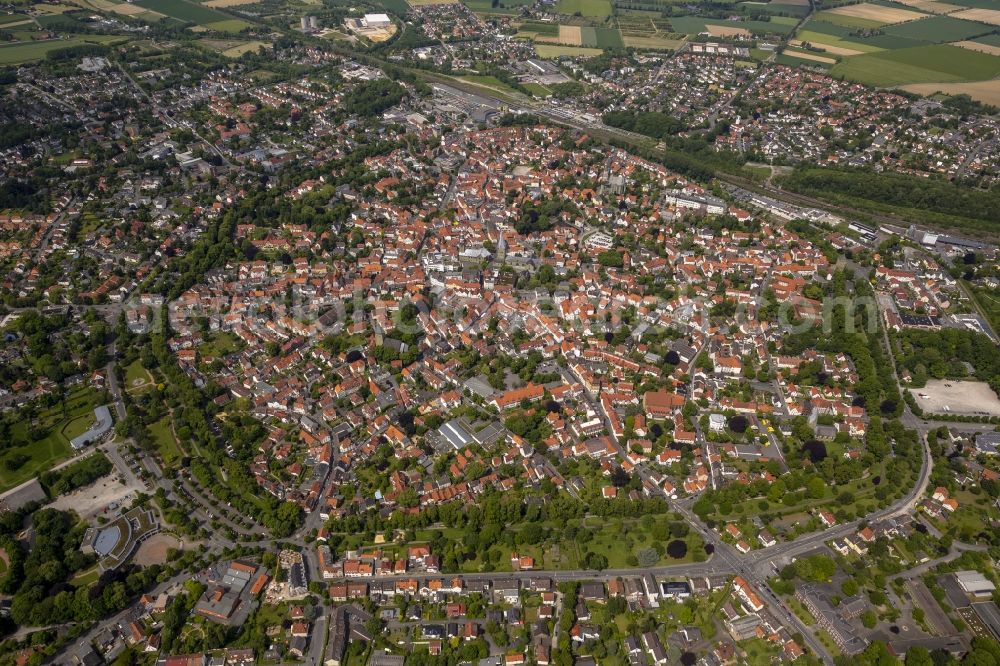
(96, 431)
(106, 540)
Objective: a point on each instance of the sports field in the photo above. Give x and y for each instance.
(938, 63)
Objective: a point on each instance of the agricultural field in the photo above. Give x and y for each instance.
(21, 52)
(880, 14)
(932, 6)
(537, 29)
(939, 63)
(843, 20)
(571, 35)
(979, 46)
(809, 55)
(228, 3)
(793, 58)
(789, 8)
(654, 42)
(939, 29)
(987, 92)
(694, 25)
(427, 3)
(559, 50)
(991, 16)
(486, 7)
(835, 45)
(189, 12)
(599, 9)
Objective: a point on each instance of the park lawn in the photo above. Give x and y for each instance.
(52, 449)
(137, 378)
(591, 8)
(166, 443)
(617, 539)
(21, 52)
(938, 63)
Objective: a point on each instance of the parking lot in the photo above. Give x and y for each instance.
(942, 396)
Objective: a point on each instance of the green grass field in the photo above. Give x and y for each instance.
(54, 447)
(15, 54)
(939, 29)
(488, 82)
(592, 8)
(6, 19)
(537, 89)
(940, 63)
